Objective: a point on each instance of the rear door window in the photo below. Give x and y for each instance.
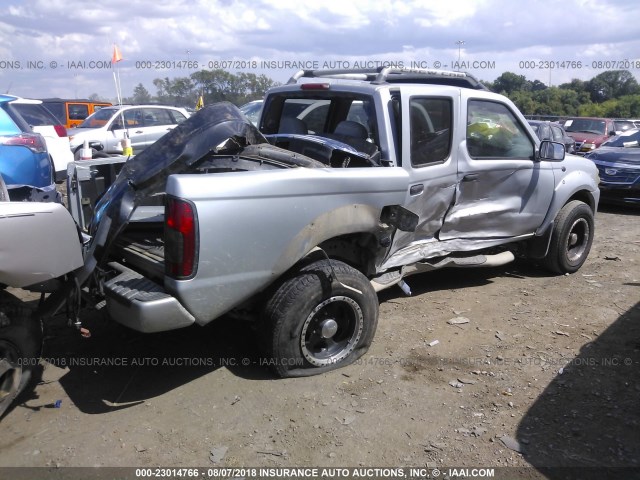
(430, 130)
(156, 117)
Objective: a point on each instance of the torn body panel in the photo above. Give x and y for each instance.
(432, 248)
(278, 217)
(219, 128)
(499, 198)
(431, 205)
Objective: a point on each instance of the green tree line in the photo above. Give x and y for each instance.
(214, 86)
(614, 93)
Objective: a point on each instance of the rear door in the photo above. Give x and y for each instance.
(428, 154)
(502, 191)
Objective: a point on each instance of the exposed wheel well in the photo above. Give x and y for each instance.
(355, 249)
(586, 197)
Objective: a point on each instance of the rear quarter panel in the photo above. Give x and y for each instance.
(253, 226)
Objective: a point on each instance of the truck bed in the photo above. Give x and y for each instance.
(142, 249)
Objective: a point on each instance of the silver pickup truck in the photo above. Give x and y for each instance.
(351, 182)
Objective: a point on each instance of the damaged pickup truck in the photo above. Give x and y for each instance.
(352, 181)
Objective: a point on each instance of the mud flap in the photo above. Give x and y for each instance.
(538, 246)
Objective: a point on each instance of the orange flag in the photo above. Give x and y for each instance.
(117, 56)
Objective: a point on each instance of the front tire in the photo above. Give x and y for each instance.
(20, 343)
(571, 238)
(321, 319)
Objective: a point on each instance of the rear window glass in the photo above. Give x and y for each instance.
(320, 116)
(57, 108)
(35, 114)
(78, 111)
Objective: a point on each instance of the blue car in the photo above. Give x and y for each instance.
(25, 164)
(618, 162)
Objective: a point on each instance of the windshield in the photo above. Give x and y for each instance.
(586, 125)
(626, 139)
(623, 125)
(99, 118)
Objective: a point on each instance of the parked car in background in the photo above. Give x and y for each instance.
(42, 121)
(618, 162)
(622, 126)
(25, 164)
(71, 112)
(552, 131)
(589, 132)
(144, 124)
(252, 110)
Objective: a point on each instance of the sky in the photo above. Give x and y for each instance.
(64, 48)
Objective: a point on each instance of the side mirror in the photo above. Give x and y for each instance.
(612, 133)
(552, 151)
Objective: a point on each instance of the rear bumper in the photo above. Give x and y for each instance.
(138, 303)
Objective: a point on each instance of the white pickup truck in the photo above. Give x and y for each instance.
(351, 182)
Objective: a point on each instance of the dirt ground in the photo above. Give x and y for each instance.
(547, 365)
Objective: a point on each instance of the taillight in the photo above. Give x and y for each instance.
(60, 130)
(33, 141)
(181, 238)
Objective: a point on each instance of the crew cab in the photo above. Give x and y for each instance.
(298, 222)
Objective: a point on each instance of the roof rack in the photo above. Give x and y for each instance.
(382, 75)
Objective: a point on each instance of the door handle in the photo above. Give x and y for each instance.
(471, 177)
(416, 189)
(139, 131)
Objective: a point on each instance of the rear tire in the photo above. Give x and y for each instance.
(571, 238)
(20, 343)
(316, 322)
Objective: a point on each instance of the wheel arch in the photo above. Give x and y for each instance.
(586, 197)
(582, 193)
(349, 233)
